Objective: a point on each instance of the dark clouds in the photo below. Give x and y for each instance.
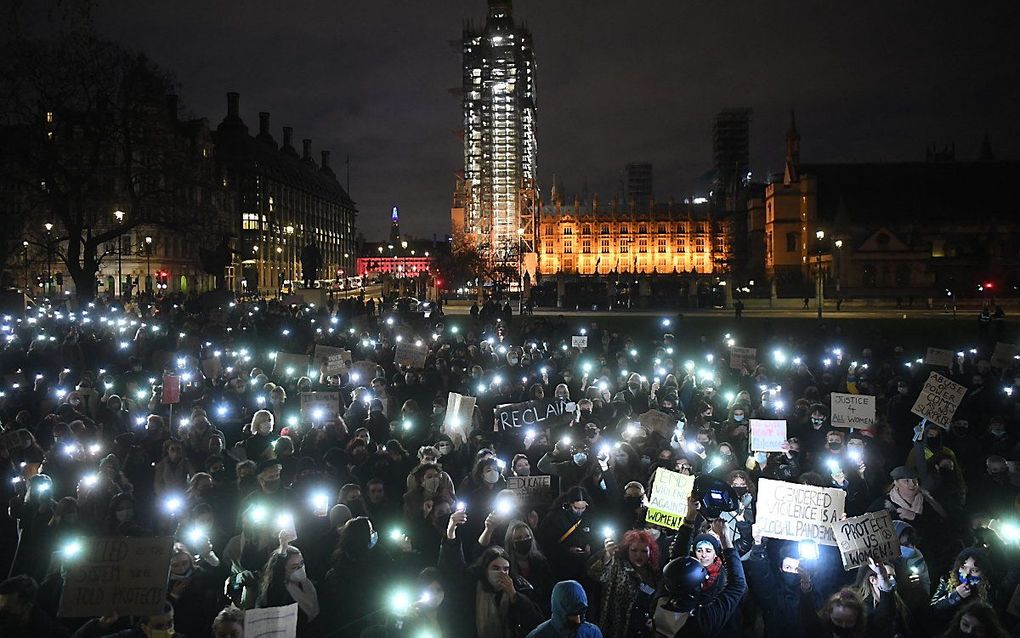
(617, 81)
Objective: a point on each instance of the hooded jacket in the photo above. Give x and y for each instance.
(568, 599)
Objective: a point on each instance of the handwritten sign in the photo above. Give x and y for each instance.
(362, 372)
(667, 506)
(768, 435)
(938, 400)
(1004, 355)
(322, 355)
(318, 407)
(939, 357)
(531, 490)
(660, 422)
(869, 536)
(171, 389)
(579, 341)
(796, 512)
(852, 410)
(128, 575)
(459, 410)
(544, 412)
(289, 365)
(271, 622)
(410, 354)
(743, 358)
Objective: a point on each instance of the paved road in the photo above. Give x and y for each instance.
(845, 313)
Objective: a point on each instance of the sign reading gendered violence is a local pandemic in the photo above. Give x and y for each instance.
(852, 410)
(544, 412)
(667, 506)
(796, 512)
(869, 536)
(938, 400)
(126, 575)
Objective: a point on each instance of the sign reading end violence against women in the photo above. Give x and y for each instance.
(869, 536)
(667, 506)
(797, 512)
(126, 575)
(852, 410)
(938, 400)
(544, 412)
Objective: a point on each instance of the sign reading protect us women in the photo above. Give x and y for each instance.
(798, 512)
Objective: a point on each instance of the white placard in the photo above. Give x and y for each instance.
(939, 357)
(851, 410)
(271, 622)
(743, 358)
(768, 435)
(938, 400)
(459, 410)
(797, 512)
(579, 341)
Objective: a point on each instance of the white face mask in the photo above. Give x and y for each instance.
(490, 476)
(298, 575)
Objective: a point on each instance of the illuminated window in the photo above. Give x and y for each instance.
(605, 229)
(605, 246)
(623, 229)
(662, 229)
(548, 247)
(662, 246)
(568, 247)
(586, 230)
(643, 229)
(250, 221)
(586, 246)
(642, 246)
(567, 230)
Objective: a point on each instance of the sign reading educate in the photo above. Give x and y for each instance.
(544, 412)
(938, 400)
(796, 512)
(667, 506)
(768, 435)
(871, 535)
(128, 575)
(531, 490)
(852, 410)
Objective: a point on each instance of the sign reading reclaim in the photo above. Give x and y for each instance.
(869, 536)
(796, 512)
(668, 505)
(544, 412)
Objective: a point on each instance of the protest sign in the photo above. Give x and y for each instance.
(321, 355)
(290, 365)
(768, 435)
(796, 512)
(212, 368)
(271, 622)
(938, 400)
(743, 358)
(459, 410)
(362, 372)
(660, 422)
(939, 357)
(579, 341)
(869, 536)
(336, 364)
(126, 575)
(531, 490)
(171, 389)
(851, 410)
(317, 407)
(667, 506)
(410, 354)
(1004, 355)
(544, 412)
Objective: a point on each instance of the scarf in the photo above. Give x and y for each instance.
(713, 574)
(492, 613)
(304, 595)
(907, 511)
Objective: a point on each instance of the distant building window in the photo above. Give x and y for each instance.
(624, 246)
(623, 229)
(567, 230)
(586, 230)
(250, 221)
(548, 247)
(586, 246)
(605, 229)
(791, 242)
(643, 229)
(548, 230)
(642, 246)
(662, 229)
(605, 246)
(662, 246)
(568, 248)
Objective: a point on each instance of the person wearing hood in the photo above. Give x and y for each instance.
(776, 592)
(912, 576)
(569, 606)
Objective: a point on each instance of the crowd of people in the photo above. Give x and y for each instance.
(387, 517)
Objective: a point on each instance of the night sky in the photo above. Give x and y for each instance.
(617, 82)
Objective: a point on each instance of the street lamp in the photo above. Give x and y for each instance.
(520, 269)
(835, 264)
(148, 262)
(25, 244)
(119, 216)
(49, 258)
(290, 256)
(819, 235)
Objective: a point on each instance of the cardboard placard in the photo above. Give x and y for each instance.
(660, 422)
(939, 357)
(171, 389)
(126, 575)
(797, 512)
(212, 368)
(543, 412)
(289, 365)
(531, 490)
(362, 373)
(741, 358)
(459, 410)
(409, 355)
(317, 407)
(667, 506)
(271, 622)
(579, 341)
(938, 400)
(337, 364)
(768, 435)
(851, 410)
(322, 357)
(871, 535)
(1003, 355)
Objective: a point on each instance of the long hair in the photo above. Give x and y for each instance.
(354, 539)
(480, 566)
(981, 562)
(273, 584)
(986, 617)
(639, 536)
(847, 598)
(862, 586)
(534, 555)
(752, 487)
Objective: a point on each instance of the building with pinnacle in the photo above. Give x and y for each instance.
(496, 197)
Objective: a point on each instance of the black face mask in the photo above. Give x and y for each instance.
(834, 445)
(935, 442)
(841, 632)
(631, 503)
(740, 490)
(522, 547)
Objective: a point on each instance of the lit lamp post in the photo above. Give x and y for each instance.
(49, 258)
(148, 263)
(820, 235)
(835, 263)
(119, 216)
(25, 244)
(520, 269)
(290, 255)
